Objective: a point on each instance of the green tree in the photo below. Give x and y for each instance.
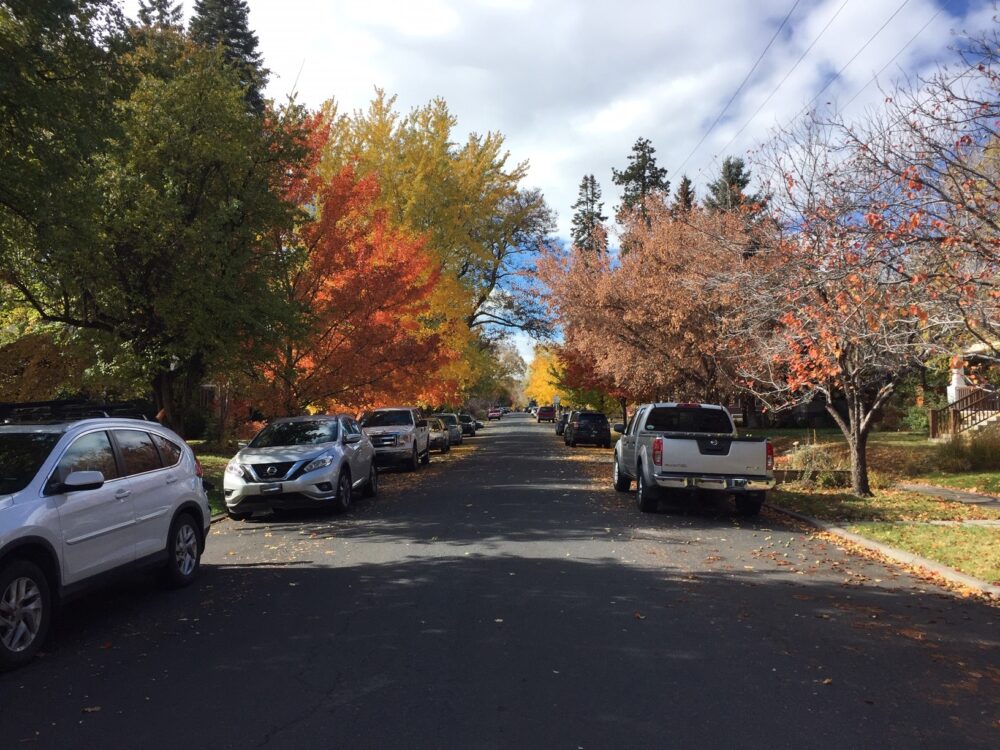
(227, 23)
(684, 198)
(588, 222)
(164, 13)
(641, 181)
(728, 192)
(178, 276)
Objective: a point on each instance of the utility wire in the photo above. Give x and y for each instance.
(787, 75)
(902, 49)
(740, 87)
(853, 58)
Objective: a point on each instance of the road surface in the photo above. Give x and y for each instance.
(507, 597)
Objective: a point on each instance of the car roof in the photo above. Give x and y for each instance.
(308, 418)
(67, 425)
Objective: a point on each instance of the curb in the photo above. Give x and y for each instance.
(893, 553)
(218, 517)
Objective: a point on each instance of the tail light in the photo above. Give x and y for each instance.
(658, 452)
(770, 456)
(198, 471)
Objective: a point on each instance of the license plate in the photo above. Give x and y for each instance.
(270, 489)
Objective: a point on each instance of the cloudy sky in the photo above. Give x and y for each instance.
(573, 83)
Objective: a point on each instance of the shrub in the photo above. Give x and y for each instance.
(974, 453)
(916, 419)
(818, 466)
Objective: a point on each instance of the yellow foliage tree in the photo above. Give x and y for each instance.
(543, 385)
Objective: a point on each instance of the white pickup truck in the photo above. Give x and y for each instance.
(399, 435)
(694, 446)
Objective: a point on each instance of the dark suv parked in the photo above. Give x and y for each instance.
(587, 427)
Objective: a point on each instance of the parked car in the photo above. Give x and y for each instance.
(301, 462)
(589, 427)
(495, 412)
(468, 424)
(397, 437)
(454, 426)
(694, 446)
(546, 414)
(82, 499)
(439, 435)
(561, 423)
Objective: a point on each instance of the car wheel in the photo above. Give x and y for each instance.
(414, 463)
(571, 442)
(644, 496)
(344, 489)
(183, 552)
(25, 612)
(426, 458)
(749, 504)
(447, 447)
(621, 482)
(371, 486)
(238, 516)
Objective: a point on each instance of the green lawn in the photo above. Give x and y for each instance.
(214, 466)
(838, 506)
(974, 550)
(987, 482)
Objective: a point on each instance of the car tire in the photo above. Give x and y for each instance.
(447, 448)
(426, 458)
(749, 504)
(371, 486)
(645, 497)
(621, 482)
(23, 585)
(342, 502)
(183, 552)
(571, 443)
(414, 462)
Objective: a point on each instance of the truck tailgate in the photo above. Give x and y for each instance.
(715, 455)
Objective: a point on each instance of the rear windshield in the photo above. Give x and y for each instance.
(390, 418)
(21, 456)
(673, 419)
(311, 432)
(464, 418)
(448, 418)
(593, 418)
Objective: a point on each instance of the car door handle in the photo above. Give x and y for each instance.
(122, 494)
(171, 480)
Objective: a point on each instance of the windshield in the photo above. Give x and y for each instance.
(672, 419)
(447, 418)
(21, 456)
(464, 418)
(390, 418)
(311, 432)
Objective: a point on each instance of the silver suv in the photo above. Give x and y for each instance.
(301, 462)
(84, 498)
(400, 436)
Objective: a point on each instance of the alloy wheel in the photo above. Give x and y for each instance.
(21, 611)
(186, 549)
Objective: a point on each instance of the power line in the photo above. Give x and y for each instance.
(853, 58)
(787, 75)
(740, 87)
(901, 50)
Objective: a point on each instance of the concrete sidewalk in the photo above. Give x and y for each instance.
(946, 493)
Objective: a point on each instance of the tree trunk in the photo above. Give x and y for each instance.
(624, 404)
(858, 445)
(163, 397)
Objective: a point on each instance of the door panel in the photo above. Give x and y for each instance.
(154, 488)
(98, 526)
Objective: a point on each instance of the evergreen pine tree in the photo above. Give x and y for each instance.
(162, 13)
(588, 221)
(684, 198)
(728, 193)
(640, 180)
(227, 22)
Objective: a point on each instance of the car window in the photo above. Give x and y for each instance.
(389, 418)
(138, 452)
(21, 456)
(352, 427)
(598, 419)
(90, 452)
(170, 452)
(448, 418)
(630, 430)
(306, 432)
(696, 419)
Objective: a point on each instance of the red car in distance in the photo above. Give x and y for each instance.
(546, 414)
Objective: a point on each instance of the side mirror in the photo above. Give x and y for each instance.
(619, 428)
(242, 444)
(351, 438)
(479, 425)
(79, 481)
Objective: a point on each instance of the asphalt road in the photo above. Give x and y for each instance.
(508, 598)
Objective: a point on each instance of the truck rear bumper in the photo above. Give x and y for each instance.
(717, 483)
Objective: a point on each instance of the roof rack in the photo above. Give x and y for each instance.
(66, 410)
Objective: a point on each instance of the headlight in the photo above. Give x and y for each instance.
(318, 463)
(234, 469)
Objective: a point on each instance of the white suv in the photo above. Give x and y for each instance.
(81, 499)
(400, 436)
